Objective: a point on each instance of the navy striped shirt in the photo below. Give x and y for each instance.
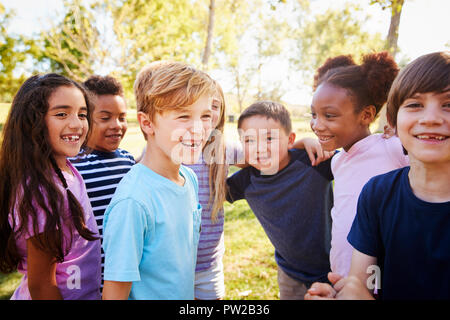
(102, 172)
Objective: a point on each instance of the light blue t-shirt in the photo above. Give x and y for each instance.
(151, 230)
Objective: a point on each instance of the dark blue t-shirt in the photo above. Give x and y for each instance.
(293, 206)
(409, 237)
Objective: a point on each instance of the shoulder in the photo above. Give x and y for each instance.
(121, 153)
(188, 173)
(384, 185)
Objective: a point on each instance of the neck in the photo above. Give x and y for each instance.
(363, 134)
(429, 182)
(61, 162)
(162, 165)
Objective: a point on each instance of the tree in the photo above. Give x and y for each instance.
(13, 51)
(329, 34)
(209, 37)
(73, 47)
(395, 7)
(145, 31)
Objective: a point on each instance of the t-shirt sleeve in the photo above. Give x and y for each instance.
(325, 169)
(124, 228)
(395, 150)
(364, 233)
(236, 185)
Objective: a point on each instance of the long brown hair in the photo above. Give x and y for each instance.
(27, 168)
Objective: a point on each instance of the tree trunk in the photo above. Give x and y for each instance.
(207, 51)
(392, 38)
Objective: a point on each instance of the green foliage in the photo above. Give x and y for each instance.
(146, 31)
(12, 53)
(72, 47)
(333, 33)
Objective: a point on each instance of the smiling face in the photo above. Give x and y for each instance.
(109, 123)
(179, 135)
(423, 126)
(67, 124)
(334, 119)
(266, 144)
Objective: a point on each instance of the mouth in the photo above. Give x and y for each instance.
(114, 136)
(191, 144)
(431, 137)
(72, 138)
(323, 138)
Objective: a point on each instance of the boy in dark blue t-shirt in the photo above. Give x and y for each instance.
(291, 199)
(401, 232)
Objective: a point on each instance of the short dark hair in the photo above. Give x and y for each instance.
(102, 85)
(271, 110)
(428, 73)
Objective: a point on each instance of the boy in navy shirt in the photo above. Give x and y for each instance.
(291, 198)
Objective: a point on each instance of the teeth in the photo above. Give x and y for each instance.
(191, 145)
(71, 138)
(429, 137)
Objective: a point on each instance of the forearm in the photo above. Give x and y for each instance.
(45, 291)
(116, 290)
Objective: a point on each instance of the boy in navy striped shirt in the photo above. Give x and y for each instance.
(106, 164)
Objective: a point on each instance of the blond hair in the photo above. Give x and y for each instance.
(169, 85)
(218, 169)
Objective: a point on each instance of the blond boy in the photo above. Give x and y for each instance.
(152, 225)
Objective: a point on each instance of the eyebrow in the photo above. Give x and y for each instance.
(65, 107)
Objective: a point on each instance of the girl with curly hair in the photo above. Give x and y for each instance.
(346, 101)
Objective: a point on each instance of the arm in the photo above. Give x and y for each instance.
(115, 290)
(355, 286)
(41, 273)
(314, 149)
(352, 287)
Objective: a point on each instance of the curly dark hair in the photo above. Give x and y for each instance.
(101, 85)
(368, 83)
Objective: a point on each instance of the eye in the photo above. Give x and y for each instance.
(183, 117)
(206, 116)
(414, 105)
(122, 119)
(83, 115)
(446, 105)
(329, 115)
(313, 115)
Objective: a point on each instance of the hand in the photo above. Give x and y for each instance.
(315, 152)
(323, 291)
(388, 132)
(351, 288)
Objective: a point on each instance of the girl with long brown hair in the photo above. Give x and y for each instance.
(47, 228)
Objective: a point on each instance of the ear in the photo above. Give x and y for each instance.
(146, 124)
(368, 114)
(291, 140)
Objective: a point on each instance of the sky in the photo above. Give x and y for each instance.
(424, 26)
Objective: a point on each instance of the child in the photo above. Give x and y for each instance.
(48, 231)
(106, 164)
(291, 198)
(152, 225)
(211, 170)
(346, 100)
(403, 217)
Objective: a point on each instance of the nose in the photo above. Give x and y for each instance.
(431, 117)
(75, 122)
(317, 125)
(115, 124)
